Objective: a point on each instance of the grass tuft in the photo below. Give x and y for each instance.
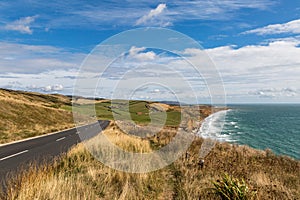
(232, 188)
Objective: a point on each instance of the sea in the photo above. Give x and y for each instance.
(271, 126)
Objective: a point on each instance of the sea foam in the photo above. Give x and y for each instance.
(212, 127)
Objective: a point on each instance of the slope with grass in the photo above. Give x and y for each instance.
(140, 112)
(230, 172)
(25, 114)
(28, 114)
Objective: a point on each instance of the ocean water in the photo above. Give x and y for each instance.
(276, 127)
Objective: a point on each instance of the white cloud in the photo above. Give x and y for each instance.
(198, 10)
(292, 27)
(153, 15)
(264, 72)
(22, 58)
(21, 25)
(51, 81)
(246, 71)
(136, 53)
(53, 88)
(134, 50)
(156, 91)
(269, 70)
(253, 67)
(276, 55)
(47, 88)
(57, 87)
(275, 92)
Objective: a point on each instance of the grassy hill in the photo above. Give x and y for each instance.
(26, 114)
(139, 110)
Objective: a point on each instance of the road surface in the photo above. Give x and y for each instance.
(42, 149)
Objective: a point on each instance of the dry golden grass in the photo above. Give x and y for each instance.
(272, 177)
(125, 141)
(24, 114)
(33, 98)
(78, 175)
(160, 106)
(82, 101)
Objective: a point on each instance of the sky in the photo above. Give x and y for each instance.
(253, 45)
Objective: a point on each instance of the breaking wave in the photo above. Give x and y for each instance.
(212, 127)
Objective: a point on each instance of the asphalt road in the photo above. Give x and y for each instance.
(16, 156)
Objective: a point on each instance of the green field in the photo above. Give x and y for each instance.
(138, 111)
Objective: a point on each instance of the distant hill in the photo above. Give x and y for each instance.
(172, 103)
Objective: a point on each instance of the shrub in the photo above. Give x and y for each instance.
(231, 188)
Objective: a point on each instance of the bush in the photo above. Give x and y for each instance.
(231, 188)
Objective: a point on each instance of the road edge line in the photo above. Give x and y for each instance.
(44, 135)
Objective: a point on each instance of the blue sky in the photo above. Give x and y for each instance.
(254, 44)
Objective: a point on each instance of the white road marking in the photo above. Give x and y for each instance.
(16, 154)
(59, 139)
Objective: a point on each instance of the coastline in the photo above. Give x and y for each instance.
(233, 131)
(211, 126)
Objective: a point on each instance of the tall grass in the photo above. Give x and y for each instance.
(78, 175)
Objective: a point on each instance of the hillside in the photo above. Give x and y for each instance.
(251, 173)
(26, 114)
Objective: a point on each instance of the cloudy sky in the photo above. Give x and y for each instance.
(254, 45)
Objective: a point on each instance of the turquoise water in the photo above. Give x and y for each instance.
(276, 127)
